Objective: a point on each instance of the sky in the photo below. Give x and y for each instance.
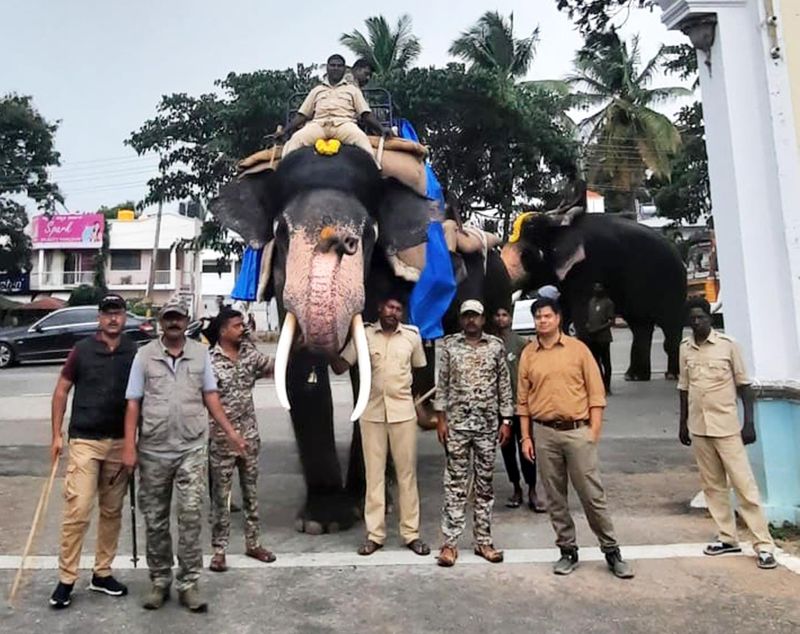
(99, 67)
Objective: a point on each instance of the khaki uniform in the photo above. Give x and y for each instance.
(389, 424)
(710, 373)
(333, 113)
(562, 383)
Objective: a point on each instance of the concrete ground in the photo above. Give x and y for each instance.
(318, 583)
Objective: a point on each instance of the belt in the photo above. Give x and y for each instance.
(562, 425)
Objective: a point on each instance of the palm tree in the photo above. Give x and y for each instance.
(386, 49)
(490, 45)
(625, 136)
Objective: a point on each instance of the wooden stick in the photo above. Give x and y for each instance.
(425, 396)
(379, 158)
(278, 132)
(37, 520)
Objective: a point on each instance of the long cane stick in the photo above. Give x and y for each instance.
(37, 520)
(132, 495)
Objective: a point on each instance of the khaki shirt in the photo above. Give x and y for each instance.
(392, 357)
(710, 373)
(561, 382)
(334, 105)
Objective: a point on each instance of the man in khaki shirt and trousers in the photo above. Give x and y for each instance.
(712, 373)
(560, 389)
(332, 110)
(390, 424)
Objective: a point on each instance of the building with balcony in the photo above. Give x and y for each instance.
(60, 265)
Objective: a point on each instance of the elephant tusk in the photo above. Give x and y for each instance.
(364, 368)
(282, 358)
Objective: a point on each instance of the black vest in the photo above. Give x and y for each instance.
(101, 378)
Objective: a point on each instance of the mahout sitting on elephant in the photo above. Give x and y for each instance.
(338, 234)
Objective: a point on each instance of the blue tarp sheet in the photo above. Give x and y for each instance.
(406, 131)
(247, 282)
(436, 288)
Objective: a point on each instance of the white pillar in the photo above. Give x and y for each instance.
(754, 171)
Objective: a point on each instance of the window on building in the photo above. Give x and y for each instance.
(162, 260)
(216, 266)
(126, 260)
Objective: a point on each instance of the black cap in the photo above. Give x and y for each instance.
(112, 301)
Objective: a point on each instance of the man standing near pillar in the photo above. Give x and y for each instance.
(172, 389)
(712, 373)
(560, 390)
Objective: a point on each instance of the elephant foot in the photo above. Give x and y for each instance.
(670, 376)
(636, 377)
(326, 513)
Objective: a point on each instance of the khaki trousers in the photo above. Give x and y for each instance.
(377, 439)
(720, 459)
(94, 470)
(564, 456)
(347, 133)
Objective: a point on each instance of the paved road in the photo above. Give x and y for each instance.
(321, 586)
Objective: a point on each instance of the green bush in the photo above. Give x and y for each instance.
(85, 295)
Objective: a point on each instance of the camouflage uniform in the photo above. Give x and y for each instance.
(157, 474)
(474, 387)
(235, 381)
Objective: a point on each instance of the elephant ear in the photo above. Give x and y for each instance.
(403, 217)
(567, 249)
(246, 206)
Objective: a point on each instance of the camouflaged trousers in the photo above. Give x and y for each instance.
(482, 448)
(157, 477)
(222, 462)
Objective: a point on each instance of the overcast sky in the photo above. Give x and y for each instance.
(101, 66)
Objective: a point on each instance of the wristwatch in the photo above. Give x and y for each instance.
(507, 422)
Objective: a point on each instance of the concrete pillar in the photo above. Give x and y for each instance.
(754, 168)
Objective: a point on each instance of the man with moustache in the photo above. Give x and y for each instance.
(97, 367)
(472, 394)
(171, 387)
(389, 424)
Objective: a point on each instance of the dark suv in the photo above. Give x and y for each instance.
(52, 337)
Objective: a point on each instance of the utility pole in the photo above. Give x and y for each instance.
(152, 276)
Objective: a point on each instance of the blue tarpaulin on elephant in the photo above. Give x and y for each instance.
(434, 189)
(436, 288)
(246, 285)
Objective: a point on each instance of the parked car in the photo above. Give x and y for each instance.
(52, 337)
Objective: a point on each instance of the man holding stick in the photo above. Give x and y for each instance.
(98, 369)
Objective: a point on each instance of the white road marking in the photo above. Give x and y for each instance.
(397, 557)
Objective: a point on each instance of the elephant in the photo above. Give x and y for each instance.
(641, 270)
(334, 228)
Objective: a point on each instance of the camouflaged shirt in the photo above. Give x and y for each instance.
(474, 384)
(235, 381)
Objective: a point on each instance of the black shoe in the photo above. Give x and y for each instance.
(61, 597)
(108, 585)
(618, 566)
(567, 563)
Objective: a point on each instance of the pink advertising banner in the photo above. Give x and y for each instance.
(72, 231)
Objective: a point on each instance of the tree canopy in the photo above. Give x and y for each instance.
(387, 49)
(27, 150)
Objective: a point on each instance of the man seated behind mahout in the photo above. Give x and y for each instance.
(332, 110)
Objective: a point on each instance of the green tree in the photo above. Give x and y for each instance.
(592, 17)
(490, 45)
(624, 137)
(200, 139)
(491, 141)
(26, 152)
(387, 49)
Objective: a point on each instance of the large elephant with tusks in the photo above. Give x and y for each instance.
(337, 231)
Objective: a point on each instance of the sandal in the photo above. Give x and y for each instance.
(369, 547)
(218, 563)
(515, 501)
(260, 553)
(419, 547)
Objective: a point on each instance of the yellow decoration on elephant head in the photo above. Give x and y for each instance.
(516, 233)
(327, 147)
